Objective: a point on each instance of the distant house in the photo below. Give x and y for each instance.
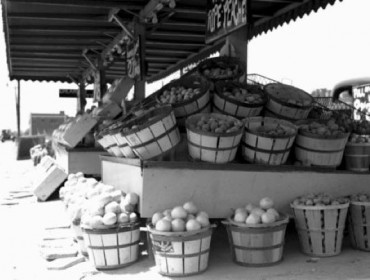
(45, 123)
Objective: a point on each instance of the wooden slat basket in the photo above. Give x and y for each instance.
(258, 147)
(78, 235)
(211, 146)
(113, 248)
(108, 142)
(357, 156)
(152, 134)
(225, 103)
(320, 228)
(231, 69)
(257, 245)
(122, 145)
(359, 225)
(318, 150)
(179, 254)
(288, 101)
(199, 103)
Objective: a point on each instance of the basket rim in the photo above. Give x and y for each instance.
(326, 207)
(358, 144)
(299, 91)
(209, 133)
(343, 136)
(158, 113)
(360, 203)
(283, 220)
(151, 229)
(214, 60)
(180, 81)
(220, 84)
(113, 229)
(279, 116)
(284, 122)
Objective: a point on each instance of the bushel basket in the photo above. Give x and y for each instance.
(320, 228)
(211, 146)
(359, 225)
(357, 155)
(113, 248)
(288, 101)
(200, 102)
(258, 146)
(257, 245)
(122, 145)
(181, 253)
(225, 102)
(153, 134)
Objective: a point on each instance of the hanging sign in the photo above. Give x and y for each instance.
(72, 93)
(133, 59)
(224, 17)
(361, 96)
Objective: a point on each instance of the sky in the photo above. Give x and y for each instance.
(314, 52)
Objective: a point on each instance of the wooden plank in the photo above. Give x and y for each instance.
(60, 17)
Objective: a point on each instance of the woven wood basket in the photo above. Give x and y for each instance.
(263, 149)
(357, 156)
(236, 108)
(257, 245)
(283, 99)
(179, 254)
(318, 150)
(210, 146)
(320, 228)
(113, 248)
(156, 133)
(121, 142)
(359, 225)
(222, 62)
(199, 103)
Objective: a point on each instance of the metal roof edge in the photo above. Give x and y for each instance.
(6, 35)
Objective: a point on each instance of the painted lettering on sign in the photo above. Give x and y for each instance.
(361, 95)
(224, 16)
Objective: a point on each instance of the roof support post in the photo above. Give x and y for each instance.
(81, 97)
(139, 93)
(238, 41)
(100, 86)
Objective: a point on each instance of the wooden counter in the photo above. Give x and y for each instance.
(216, 188)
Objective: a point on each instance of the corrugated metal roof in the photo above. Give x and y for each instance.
(45, 39)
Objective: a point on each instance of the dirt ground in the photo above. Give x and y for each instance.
(23, 227)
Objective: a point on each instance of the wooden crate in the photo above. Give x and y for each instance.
(48, 181)
(181, 253)
(78, 129)
(359, 225)
(320, 228)
(257, 245)
(113, 248)
(264, 149)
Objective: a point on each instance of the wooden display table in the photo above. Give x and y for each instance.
(78, 159)
(216, 188)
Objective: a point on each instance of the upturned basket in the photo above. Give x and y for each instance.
(179, 254)
(359, 225)
(257, 147)
(113, 248)
(210, 146)
(236, 108)
(320, 150)
(288, 101)
(257, 245)
(152, 134)
(320, 228)
(197, 104)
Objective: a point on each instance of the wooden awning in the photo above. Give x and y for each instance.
(45, 39)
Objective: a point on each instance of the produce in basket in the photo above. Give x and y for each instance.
(360, 132)
(180, 219)
(360, 197)
(329, 128)
(319, 199)
(221, 68)
(252, 215)
(276, 131)
(210, 123)
(178, 94)
(243, 95)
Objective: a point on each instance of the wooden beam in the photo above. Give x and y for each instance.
(280, 1)
(179, 24)
(84, 3)
(176, 34)
(166, 44)
(61, 28)
(168, 52)
(160, 59)
(187, 10)
(60, 17)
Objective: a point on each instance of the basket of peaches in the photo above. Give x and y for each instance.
(256, 234)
